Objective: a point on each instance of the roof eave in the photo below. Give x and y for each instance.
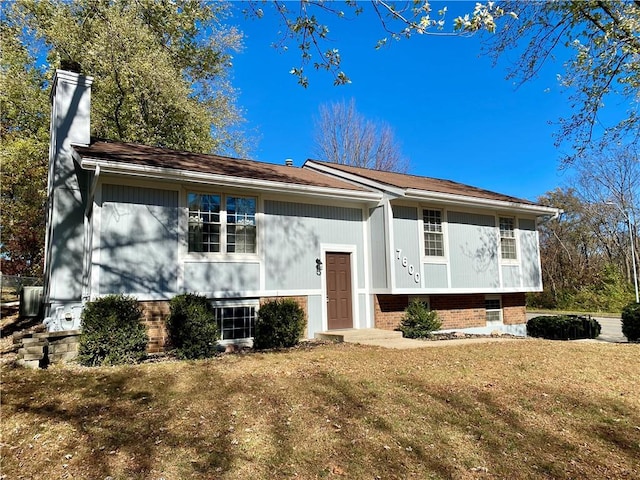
(159, 173)
(353, 178)
(468, 201)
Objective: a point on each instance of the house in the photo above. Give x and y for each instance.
(352, 246)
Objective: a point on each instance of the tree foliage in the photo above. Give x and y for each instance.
(585, 255)
(24, 140)
(344, 136)
(157, 80)
(603, 38)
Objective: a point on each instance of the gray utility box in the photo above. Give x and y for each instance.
(31, 302)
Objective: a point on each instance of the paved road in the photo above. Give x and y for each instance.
(611, 328)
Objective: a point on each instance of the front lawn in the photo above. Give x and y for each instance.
(526, 409)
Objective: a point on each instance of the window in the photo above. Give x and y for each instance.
(219, 223)
(433, 238)
(204, 223)
(241, 225)
(236, 322)
(507, 239)
(493, 307)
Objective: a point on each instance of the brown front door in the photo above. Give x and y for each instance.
(339, 309)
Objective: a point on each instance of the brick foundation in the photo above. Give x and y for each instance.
(514, 309)
(302, 301)
(460, 311)
(455, 311)
(388, 310)
(154, 315)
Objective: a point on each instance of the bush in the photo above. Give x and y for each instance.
(192, 326)
(631, 322)
(112, 333)
(418, 321)
(280, 324)
(563, 327)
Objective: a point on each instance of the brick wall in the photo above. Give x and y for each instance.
(514, 309)
(388, 310)
(459, 311)
(455, 311)
(302, 301)
(154, 315)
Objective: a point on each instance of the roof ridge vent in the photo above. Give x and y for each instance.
(288, 162)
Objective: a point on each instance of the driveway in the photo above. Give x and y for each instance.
(611, 328)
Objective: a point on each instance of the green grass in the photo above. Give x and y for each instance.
(527, 409)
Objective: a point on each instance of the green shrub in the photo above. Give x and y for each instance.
(631, 322)
(112, 333)
(280, 324)
(192, 327)
(563, 327)
(418, 321)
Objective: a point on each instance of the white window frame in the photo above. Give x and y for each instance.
(245, 303)
(441, 233)
(494, 322)
(224, 239)
(504, 239)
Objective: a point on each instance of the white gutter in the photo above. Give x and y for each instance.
(465, 200)
(156, 173)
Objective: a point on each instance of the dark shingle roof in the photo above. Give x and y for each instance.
(156, 157)
(405, 181)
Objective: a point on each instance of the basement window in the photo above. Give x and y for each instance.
(493, 308)
(236, 322)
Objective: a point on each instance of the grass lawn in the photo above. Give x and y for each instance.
(520, 409)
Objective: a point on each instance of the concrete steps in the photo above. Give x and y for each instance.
(363, 335)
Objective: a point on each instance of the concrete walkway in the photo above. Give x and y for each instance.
(393, 339)
(611, 333)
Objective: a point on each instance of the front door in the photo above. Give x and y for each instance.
(339, 298)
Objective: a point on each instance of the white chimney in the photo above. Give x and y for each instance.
(288, 162)
(67, 192)
(70, 106)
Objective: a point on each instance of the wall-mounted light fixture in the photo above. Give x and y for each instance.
(318, 266)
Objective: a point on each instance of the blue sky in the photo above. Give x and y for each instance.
(455, 115)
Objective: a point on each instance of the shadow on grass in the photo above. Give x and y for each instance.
(207, 420)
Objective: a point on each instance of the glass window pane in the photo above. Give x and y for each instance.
(204, 222)
(236, 322)
(433, 238)
(507, 239)
(241, 224)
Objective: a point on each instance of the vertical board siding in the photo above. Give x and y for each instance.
(511, 276)
(138, 240)
(407, 239)
(293, 233)
(434, 275)
(235, 279)
(314, 312)
(378, 248)
(474, 254)
(528, 236)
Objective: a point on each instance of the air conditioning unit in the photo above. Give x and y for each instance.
(31, 302)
